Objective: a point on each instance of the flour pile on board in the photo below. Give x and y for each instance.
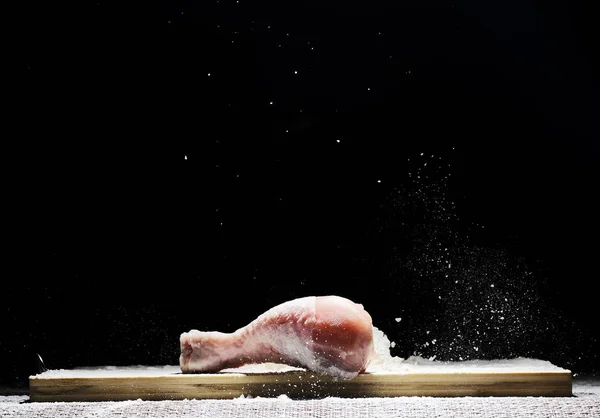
(384, 362)
(382, 348)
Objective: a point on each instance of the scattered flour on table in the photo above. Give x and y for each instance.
(14, 398)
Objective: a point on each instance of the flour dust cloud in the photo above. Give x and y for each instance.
(458, 297)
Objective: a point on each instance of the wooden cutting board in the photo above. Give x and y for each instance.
(162, 383)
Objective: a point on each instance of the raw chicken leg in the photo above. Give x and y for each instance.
(325, 334)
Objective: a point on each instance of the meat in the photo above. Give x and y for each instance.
(325, 334)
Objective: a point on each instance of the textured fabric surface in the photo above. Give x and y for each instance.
(584, 406)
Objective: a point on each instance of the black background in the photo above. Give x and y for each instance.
(146, 197)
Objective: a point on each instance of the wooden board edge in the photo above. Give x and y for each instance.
(301, 385)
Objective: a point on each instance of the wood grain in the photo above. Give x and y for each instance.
(297, 385)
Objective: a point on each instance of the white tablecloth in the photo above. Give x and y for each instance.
(584, 403)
